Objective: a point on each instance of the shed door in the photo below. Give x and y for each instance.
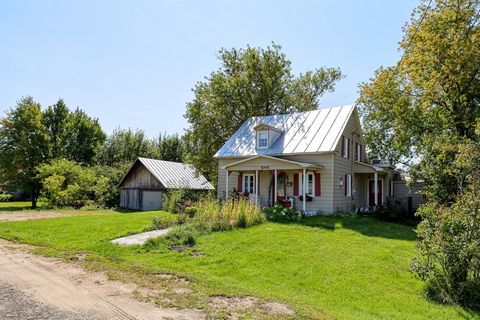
(151, 200)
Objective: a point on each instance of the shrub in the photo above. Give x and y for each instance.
(176, 201)
(182, 235)
(190, 211)
(161, 222)
(4, 197)
(449, 250)
(279, 213)
(182, 218)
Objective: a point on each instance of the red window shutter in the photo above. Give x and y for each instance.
(295, 184)
(345, 184)
(343, 146)
(361, 151)
(317, 185)
(240, 183)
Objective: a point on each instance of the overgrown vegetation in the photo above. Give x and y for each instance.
(207, 216)
(425, 112)
(279, 213)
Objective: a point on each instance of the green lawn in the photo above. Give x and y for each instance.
(332, 268)
(15, 206)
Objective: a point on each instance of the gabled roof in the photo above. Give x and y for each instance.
(303, 132)
(298, 163)
(174, 175)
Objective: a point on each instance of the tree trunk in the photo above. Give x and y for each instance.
(34, 199)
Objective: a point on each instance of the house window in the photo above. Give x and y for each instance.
(358, 155)
(262, 139)
(348, 185)
(248, 183)
(345, 147)
(310, 184)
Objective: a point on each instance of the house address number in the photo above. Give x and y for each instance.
(265, 167)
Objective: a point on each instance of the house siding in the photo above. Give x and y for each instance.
(344, 166)
(320, 204)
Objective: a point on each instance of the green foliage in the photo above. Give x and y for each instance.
(107, 193)
(176, 200)
(250, 82)
(66, 183)
(24, 144)
(5, 197)
(190, 211)
(162, 222)
(218, 216)
(279, 213)
(434, 90)
(184, 234)
(124, 146)
(449, 250)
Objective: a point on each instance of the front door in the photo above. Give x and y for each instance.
(371, 192)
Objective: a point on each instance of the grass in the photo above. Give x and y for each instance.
(15, 206)
(325, 268)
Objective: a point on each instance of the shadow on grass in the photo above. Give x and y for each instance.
(367, 226)
(12, 208)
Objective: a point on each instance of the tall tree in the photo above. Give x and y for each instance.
(125, 146)
(85, 135)
(434, 90)
(24, 145)
(250, 82)
(56, 119)
(170, 147)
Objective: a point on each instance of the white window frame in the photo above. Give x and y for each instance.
(359, 152)
(300, 184)
(250, 177)
(258, 139)
(346, 145)
(349, 185)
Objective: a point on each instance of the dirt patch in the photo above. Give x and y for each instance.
(277, 308)
(236, 307)
(68, 288)
(33, 215)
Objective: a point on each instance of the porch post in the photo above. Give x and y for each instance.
(256, 187)
(375, 188)
(304, 190)
(226, 186)
(275, 188)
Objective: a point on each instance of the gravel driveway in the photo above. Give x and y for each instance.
(14, 304)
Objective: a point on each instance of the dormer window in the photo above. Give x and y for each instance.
(262, 139)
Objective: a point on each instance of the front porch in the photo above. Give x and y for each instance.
(270, 180)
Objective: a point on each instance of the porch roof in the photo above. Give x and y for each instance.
(263, 162)
(368, 168)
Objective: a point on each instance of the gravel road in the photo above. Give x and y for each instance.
(14, 304)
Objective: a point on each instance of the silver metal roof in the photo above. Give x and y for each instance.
(176, 175)
(312, 131)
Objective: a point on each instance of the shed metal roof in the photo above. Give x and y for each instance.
(175, 175)
(304, 132)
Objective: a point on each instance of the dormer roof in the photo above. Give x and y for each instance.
(316, 131)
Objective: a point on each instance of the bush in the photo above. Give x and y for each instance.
(190, 211)
(182, 218)
(279, 213)
(182, 235)
(175, 201)
(449, 250)
(4, 197)
(161, 223)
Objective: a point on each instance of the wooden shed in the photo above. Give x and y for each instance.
(143, 185)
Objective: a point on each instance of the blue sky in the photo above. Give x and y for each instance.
(133, 63)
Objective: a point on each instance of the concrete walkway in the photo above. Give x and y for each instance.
(140, 238)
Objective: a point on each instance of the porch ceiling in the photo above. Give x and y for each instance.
(262, 162)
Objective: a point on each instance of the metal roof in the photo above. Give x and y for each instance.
(303, 132)
(176, 175)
